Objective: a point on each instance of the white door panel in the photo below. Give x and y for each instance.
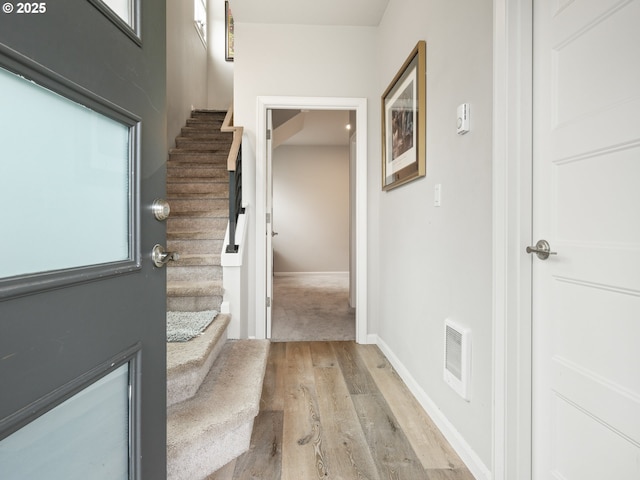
(586, 299)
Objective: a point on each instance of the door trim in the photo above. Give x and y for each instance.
(512, 229)
(265, 103)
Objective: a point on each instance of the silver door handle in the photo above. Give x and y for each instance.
(542, 250)
(273, 234)
(161, 257)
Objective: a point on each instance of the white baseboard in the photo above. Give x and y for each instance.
(457, 441)
(372, 339)
(306, 274)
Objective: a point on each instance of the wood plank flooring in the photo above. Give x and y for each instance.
(338, 410)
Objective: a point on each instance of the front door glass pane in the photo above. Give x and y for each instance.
(85, 437)
(64, 182)
(122, 8)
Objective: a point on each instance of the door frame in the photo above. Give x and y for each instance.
(359, 105)
(512, 231)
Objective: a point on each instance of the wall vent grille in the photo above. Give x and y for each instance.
(457, 358)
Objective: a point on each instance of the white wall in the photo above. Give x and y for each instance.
(197, 76)
(425, 264)
(435, 262)
(311, 209)
(220, 72)
(186, 67)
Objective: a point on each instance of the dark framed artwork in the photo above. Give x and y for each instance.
(404, 113)
(228, 27)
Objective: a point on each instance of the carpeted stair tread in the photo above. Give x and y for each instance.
(189, 362)
(200, 131)
(194, 303)
(184, 247)
(212, 123)
(195, 134)
(228, 400)
(198, 112)
(214, 207)
(213, 157)
(200, 259)
(197, 168)
(214, 149)
(202, 142)
(194, 288)
(190, 273)
(197, 235)
(198, 189)
(196, 225)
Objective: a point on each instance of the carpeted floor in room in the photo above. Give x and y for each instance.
(312, 307)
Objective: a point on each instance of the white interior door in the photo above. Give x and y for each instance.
(586, 299)
(269, 230)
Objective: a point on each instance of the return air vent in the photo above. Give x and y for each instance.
(457, 358)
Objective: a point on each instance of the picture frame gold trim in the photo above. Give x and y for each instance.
(404, 122)
(229, 49)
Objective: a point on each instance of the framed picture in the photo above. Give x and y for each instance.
(404, 113)
(228, 26)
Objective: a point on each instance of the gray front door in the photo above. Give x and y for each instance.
(82, 307)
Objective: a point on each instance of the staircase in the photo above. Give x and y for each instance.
(213, 384)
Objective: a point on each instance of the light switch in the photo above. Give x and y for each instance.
(463, 119)
(436, 195)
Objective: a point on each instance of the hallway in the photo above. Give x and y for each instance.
(312, 307)
(338, 410)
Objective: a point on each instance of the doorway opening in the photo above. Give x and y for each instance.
(356, 109)
(312, 232)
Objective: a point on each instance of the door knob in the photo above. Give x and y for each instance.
(542, 250)
(161, 257)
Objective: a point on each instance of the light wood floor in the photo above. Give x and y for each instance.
(338, 410)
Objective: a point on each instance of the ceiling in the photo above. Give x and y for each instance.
(310, 12)
(321, 128)
(311, 127)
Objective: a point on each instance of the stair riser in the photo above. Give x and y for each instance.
(194, 304)
(220, 450)
(177, 174)
(199, 143)
(203, 208)
(196, 225)
(208, 189)
(214, 157)
(200, 260)
(208, 131)
(195, 246)
(183, 273)
(212, 124)
(208, 113)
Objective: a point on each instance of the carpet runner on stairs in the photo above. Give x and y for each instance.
(198, 193)
(213, 384)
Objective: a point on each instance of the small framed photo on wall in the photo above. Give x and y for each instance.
(228, 25)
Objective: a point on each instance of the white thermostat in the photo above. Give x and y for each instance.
(463, 118)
